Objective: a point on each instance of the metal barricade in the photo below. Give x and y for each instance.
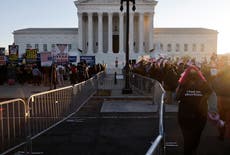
(47, 109)
(143, 84)
(21, 122)
(83, 91)
(51, 108)
(13, 119)
(111, 81)
(158, 145)
(152, 87)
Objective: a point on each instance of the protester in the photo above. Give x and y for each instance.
(73, 74)
(192, 94)
(81, 72)
(53, 78)
(221, 85)
(170, 82)
(36, 76)
(60, 74)
(46, 73)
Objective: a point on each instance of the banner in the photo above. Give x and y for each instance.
(61, 58)
(46, 59)
(60, 54)
(2, 60)
(72, 59)
(13, 52)
(90, 60)
(2, 51)
(31, 55)
(62, 48)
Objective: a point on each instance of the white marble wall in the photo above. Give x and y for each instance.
(100, 19)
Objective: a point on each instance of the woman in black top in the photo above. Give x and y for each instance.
(192, 94)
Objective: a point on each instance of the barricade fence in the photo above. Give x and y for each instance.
(21, 121)
(13, 120)
(143, 84)
(152, 87)
(158, 145)
(48, 108)
(81, 92)
(113, 81)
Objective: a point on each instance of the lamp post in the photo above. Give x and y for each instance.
(127, 89)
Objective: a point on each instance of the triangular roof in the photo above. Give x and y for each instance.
(110, 1)
(112, 5)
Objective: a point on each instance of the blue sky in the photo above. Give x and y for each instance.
(212, 14)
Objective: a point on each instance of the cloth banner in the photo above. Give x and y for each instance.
(60, 53)
(61, 58)
(46, 59)
(31, 55)
(13, 52)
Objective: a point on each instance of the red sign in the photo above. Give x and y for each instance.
(2, 60)
(61, 58)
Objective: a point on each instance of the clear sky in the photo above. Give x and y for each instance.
(212, 14)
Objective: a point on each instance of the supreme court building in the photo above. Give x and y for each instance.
(101, 33)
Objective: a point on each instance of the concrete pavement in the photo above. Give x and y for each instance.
(23, 91)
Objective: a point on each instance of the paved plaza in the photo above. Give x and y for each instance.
(93, 132)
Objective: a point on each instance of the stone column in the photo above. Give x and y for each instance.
(131, 25)
(80, 31)
(141, 32)
(90, 33)
(110, 33)
(100, 33)
(150, 31)
(121, 32)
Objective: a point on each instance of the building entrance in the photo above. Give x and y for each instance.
(115, 43)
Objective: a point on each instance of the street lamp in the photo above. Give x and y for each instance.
(127, 89)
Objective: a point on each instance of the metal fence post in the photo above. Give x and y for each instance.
(28, 128)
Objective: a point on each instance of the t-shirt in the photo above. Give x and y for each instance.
(193, 104)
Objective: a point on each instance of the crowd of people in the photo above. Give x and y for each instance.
(190, 84)
(52, 76)
(186, 81)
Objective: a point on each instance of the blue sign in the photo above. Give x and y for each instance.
(72, 59)
(20, 60)
(2, 51)
(90, 60)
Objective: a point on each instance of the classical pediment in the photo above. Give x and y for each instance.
(112, 5)
(110, 1)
